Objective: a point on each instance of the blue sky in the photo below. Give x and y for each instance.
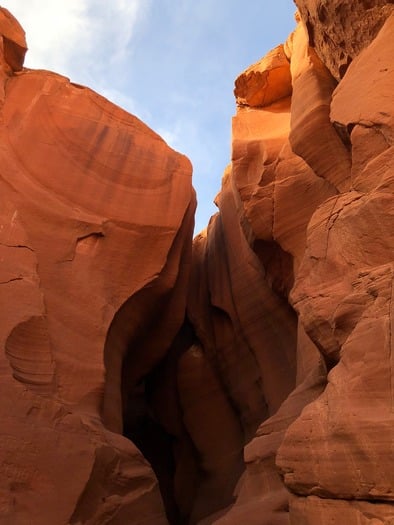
(170, 62)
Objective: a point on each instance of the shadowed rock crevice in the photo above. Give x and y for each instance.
(152, 420)
(142, 427)
(188, 424)
(278, 266)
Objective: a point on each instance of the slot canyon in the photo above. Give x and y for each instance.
(240, 377)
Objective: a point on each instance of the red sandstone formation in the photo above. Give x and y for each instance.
(311, 183)
(256, 377)
(340, 29)
(95, 236)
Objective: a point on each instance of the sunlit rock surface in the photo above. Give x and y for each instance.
(96, 224)
(244, 378)
(311, 180)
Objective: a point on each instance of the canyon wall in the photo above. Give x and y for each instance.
(242, 378)
(311, 188)
(95, 241)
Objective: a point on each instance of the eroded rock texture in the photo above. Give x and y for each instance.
(304, 240)
(95, 241)
(254, 369)
(340, 29)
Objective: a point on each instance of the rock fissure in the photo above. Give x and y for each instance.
(12, 280)
(16, 246)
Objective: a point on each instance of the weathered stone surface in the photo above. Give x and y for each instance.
(312, 510)
(365, 115)
(340, 29)
(87, 191)
(348, 453)
(312, 135)
(312, 182)
(13, 44)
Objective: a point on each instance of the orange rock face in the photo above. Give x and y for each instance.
(88, 194)
(343, 295)
(309, 193)
(266, 81)
(340, 29)
(246, 378)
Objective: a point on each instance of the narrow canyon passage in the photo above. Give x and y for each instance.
(241, 377)
(157, 446)
(192, 413)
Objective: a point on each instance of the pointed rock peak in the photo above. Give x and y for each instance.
(14, 45)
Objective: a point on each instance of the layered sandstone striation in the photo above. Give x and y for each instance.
(253, 369)
(309, 190)
(95, 241)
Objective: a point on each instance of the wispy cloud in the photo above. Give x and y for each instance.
(53, 29)
(76, 35)
(89, 41)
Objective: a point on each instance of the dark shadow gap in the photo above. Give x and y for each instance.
(148, 428)
(156, 445)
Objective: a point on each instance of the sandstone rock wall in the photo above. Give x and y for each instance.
(96, 225)
(253, 369)
(310, 187)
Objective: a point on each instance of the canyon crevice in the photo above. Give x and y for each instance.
(243, 377)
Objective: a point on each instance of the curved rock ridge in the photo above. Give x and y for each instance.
(96, 214)
(243, 377)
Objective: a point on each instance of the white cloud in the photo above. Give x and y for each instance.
(89, 41)
(76, 35)
(52, 29)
